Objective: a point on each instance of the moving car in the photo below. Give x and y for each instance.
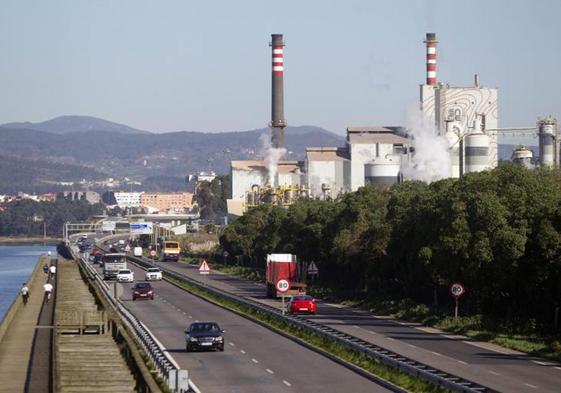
(142, 290)
(302, 304)
(204, 335)
(125, 275)
(153, 273)
(170, 251)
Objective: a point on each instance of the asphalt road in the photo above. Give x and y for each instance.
(255, 359)
(490, 365)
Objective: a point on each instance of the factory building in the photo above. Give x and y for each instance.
(328, 171)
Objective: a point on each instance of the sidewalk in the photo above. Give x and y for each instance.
(16, 347)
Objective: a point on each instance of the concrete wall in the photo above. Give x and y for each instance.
(336, 174)
(242, 180)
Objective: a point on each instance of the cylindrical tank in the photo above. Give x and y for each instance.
(383, 170)
(522, 156)
(476, 152)
(546, 132)
(454, 150)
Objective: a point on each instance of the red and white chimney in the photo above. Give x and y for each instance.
(431, 59)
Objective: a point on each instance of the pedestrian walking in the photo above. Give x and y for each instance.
(52, 270)
(48, 288)
(24, 293)
(46, 268)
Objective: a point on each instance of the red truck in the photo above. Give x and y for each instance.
(285, 267)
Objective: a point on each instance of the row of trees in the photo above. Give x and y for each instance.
(497, 232)
(211, 197)
(30, 218)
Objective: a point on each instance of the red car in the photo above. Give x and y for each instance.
(142, 290)
(302, 304)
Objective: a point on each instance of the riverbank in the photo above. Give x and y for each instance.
(28, 240)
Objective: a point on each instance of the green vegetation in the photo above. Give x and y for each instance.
(497, 232)
(211, 197)
(30, 218)
(396, 377)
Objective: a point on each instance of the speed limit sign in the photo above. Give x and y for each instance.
(457, 290)
(283, 286)
(153, 253)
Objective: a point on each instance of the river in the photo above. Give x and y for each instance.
(16, 264)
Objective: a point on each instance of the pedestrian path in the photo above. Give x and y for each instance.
(16, 346)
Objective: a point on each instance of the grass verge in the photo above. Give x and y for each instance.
(375, 367)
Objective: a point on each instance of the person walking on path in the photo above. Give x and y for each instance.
(48, 288)
(52, 270)
(24, 293)
(46, 269)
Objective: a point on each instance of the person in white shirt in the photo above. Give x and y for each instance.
(24, 293)
(52, 270)
(48, 288)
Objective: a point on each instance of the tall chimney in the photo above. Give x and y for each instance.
(431, 59)
(277, 104)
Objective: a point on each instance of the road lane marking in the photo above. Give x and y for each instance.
(190, 316)
(242, 351)
(254, 360)
(391, 339)
(542, 363)
(269, 371)
(493, 372)
(357, 327)
(558, 368)
(531, 386)
(286, 383)
(436, 353)
(462, 362)
(232, 344)
(412, 346)
(371, 332)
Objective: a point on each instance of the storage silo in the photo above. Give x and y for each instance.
(476, 152)
(546, 131)
(383, 170)
(523, 156)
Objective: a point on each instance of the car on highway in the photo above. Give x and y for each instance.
(142, 290)
(204, 335)
(302, 304)
(153, 273)
(125, 275)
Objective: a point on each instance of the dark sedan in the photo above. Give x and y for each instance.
(204, 335)
(142, 290)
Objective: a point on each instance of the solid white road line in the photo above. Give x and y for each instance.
(493, 372)
(531, 386)
(391, 339)
(558, 368)
(254, 360)
(462, 362)
(436, 353)
(356, 327)
(269, 371)
(286, 383)
(412, 346)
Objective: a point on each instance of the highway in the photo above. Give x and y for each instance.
(255, 359)
(490, 365)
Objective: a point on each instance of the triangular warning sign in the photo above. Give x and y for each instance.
(312, 268)
(204, 268)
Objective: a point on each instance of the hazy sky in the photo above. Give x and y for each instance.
(205, 65)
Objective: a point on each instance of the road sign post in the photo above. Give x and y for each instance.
(457, 290)
(313, 271)
(153, 255)
(283, 286)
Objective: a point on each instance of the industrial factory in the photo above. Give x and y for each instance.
(464, 119)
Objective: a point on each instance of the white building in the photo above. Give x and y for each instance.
(327, 171)
(127, 199)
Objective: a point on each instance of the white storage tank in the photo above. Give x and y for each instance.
(383, 170)
(454, 150)
(547, 128)
(523, 156)
(476, 152)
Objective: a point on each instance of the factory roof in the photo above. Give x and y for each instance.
(327, 154)
(377, 134)
(261, 165)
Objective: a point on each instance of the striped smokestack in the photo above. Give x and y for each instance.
(277, 104)
(431, 59)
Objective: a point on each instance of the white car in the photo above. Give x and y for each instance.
(125, 275)
(153, 273)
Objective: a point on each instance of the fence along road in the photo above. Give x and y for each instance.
(498, 368)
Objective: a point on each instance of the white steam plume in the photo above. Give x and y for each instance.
(431, 159)
(272, 156)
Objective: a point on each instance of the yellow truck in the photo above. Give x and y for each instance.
(170, 251)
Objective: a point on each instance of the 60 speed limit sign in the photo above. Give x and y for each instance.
(457, 289)
(283, 286)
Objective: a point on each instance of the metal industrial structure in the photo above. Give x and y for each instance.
(466, 117)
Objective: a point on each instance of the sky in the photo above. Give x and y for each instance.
(205, 65)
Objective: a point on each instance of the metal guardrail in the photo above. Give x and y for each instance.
(392, 359)
(176, 378)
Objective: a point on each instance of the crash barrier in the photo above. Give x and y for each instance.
(176, 379)
(392, 359)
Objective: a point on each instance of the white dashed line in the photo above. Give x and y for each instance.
(391, 339)
(184, 313)
(493, 372)
(412, 346)
(462, 362)
(242, 351)
(531, 386)
(286, 383)
(269, 371)
(436, 353)
(190, 316)
(232, 344)
(540, 363)
(254, 360)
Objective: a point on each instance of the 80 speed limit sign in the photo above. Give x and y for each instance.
(457, 289)
(283, 286)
